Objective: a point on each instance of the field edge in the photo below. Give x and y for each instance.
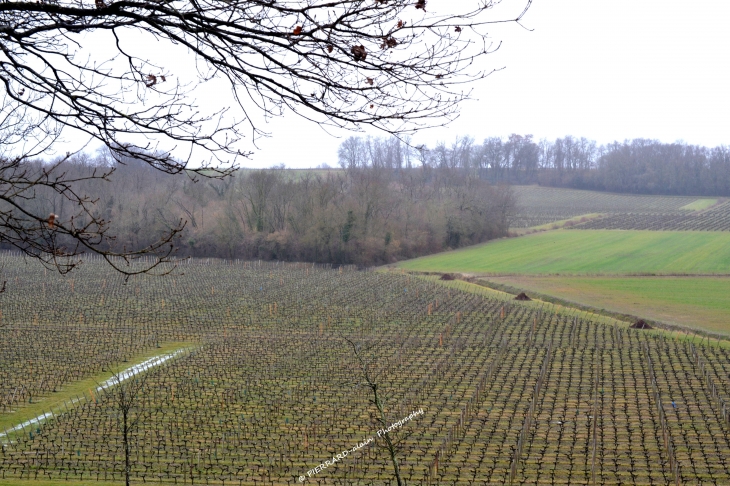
(626, 318)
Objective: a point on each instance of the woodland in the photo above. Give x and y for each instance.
(639, 166)
(363, 215)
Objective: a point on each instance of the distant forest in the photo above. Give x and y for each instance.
(365, 215)
(638, 166)
(387, 201)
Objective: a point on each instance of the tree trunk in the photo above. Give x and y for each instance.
(125, 439)
(391, 448)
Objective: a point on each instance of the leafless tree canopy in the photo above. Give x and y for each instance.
(377, 62)
(34, 195)
(391, 64)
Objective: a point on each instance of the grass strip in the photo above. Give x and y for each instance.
(692, 334)
(558, 305)
(700, 204)
(690, 302)
(563, 223)
(71, 390)
(507, 294)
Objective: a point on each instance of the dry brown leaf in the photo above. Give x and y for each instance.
(359, 53)
(388, 42)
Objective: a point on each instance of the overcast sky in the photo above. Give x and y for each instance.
(603, 69)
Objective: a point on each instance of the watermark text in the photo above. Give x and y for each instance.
(338, 457)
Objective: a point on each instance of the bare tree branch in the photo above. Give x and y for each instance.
(76, 64)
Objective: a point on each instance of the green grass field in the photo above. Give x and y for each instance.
(600, 268)
(584, 252)
(697, 302)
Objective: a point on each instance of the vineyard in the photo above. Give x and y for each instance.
(538, 206)
(716, 218)
(267, 386)
(542, 205)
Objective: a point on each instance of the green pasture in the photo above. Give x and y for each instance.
(585, 252)
(695, 302)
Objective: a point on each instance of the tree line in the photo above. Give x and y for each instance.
(639, 166)
(365, 214)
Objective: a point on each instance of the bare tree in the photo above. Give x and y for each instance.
(76, 64)
(380, 418)
(256, 190)
(351, 153)
(126, 393)
(31, 195)
(345, 62)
